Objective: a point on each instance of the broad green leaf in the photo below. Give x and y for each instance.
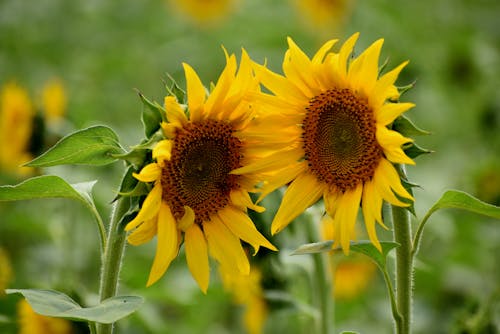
(349, 332)
(458, 200)
(91, 146)
(152, 116)
(51, 186)
(407, 128)
(56, 304)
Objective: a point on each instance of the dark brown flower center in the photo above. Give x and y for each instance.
(339, 139)
(197, 174)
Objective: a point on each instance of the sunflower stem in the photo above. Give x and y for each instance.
(322, 283)
(112, 258)
(404, 264)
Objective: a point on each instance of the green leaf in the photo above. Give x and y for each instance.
(315, 247)
(51, 186)
(407, 128)
(413, 150)
(136, 157)
(363, 246)
(458, 200)
(90, 146)
(152, 116)
(175, 90)
(56, 304)
(367, 248)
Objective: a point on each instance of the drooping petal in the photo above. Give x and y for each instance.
(224, 246)
(346, 214)
(241, 199)
(163, 150)
(391, 142)
(243, 227)
(195, 93)
(301, 194)
(149, 209)
(187, 219)
(167, 245)
(143, 233)
(372, 207)
(391, 177)
(148, 173)
(197, 256)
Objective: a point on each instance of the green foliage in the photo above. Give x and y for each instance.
(407, 128)
(57, 304)
(152, 116)
(95, 145)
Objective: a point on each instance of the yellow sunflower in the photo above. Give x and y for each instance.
(16, 126)
(6, 273)
(333, 113)
(195, 196)
(321, 14)
(54, 100)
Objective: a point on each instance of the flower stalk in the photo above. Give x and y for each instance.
(404, 265)
(112, 258)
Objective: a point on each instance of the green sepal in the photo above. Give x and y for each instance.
(136, 157)
(412, 150)
(175, 90)
(57, 304)
(403, 89)
(95, 145)
(407, 128)
(150, 143)
(152, 116)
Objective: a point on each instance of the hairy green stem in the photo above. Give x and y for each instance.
(112, 258)
(322, 281)
(404, 265)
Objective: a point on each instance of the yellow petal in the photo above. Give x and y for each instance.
(241, 199)
(197, 256)
(390, 111)
(384, 88)
(301, 194)
(280, 85)
(243, 227)
(167, 245)
(391, 142)
(383, 185)
(372, 206)
(224, 246)
(320, 55)
(163, 150)
(149, 209)
(144, 232)
(346, 214)
(175, 114)
(149, 173)
(195, 93)
(363, 71)
(272, 162)
(219, 93)
(280, 178)
(187, 219)
(389, 173)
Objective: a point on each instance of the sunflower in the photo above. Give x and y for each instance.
(334, 141)
(16, 127)
(194, 194)
(321, 14)
(54, 100)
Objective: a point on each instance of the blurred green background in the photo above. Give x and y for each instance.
(103, 50)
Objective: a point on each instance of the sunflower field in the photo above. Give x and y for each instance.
(249, 166)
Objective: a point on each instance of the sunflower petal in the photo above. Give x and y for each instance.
(272, 162)
(149, 209)
(346, 214)
(301, 194)
(280, 178)
(390, 111)
(175, 114)
(167, 246)
(225, 246)
(345, 53)
(363, 71)
(242, 200)
(148, 173)
(163, 150)
(143, 233)
(384, 87)
(195, 93)
(243, 227)
(197, 256)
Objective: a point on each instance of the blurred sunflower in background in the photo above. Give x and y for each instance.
(333, 140)
(247, 291)
(204, 11)
(16, 126)
(324, 15)
(33, 323)
(195, 198)
(6, 273)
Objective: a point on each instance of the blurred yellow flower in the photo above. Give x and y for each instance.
(33, 323)
(54, 100)
(195, 195)
(16, 124)
(351, 276)
(247, 291)
(5, 271)
(334, 142)
(324, 14)
(204, 11)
